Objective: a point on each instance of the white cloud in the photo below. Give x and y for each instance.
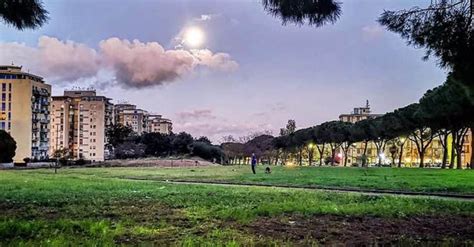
(53, 58)
(133, 63)
(203, 122)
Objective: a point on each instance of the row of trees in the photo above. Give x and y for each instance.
(442, 112)
(124, 143)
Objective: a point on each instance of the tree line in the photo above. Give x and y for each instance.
(124, 143)
(442, 112)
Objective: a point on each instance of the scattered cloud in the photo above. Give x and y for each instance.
(203, 122)
(218, 61)
(372, 32)
(206, 17)
(132, 63)
(53, 58)
(195, 114)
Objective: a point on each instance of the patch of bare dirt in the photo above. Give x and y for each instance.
(153, 162)
(366, 230)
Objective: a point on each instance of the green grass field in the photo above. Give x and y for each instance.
(100, 206)
(404, 179)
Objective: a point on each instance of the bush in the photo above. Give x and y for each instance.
(207, 151)
(129, 150)
(7, 147)
(80, 162)
(27, 160)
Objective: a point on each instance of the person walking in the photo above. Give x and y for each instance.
(254, 163)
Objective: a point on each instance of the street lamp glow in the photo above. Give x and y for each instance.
(194, 37)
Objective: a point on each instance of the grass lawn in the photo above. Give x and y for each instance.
(405, 179)
(98, 206)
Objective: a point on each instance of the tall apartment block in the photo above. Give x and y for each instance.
(130, 115)
(24, 111)
(79, 121)
(158, 124)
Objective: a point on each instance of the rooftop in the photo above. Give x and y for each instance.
(17, 70)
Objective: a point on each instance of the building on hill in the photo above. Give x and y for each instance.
(25, 111)
(158, 124)
(129, 115)
(79, 121)
(359, 113)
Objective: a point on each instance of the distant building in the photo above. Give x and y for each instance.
(24, 111)
(157, 124)
(359, 113)
(79, 121)
(129, 115)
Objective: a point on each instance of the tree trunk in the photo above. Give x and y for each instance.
(445, 151)
(401, 155)
(459, 158)
(453, 149)
(364, 160)
(333, 155)
(300, 156)
(422, 159)
(472, 145)
(346, 151)
(321, 154)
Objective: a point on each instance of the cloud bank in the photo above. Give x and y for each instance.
(203, 122)
(134, 63)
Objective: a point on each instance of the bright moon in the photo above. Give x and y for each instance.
(194, 37)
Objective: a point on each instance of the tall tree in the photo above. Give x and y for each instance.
(181, 143)
(117, 134)
(312, 12)
(23, 13)
(445, 30)
(320, 142)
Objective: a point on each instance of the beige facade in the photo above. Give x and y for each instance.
(157, 124)
(79, 121)
(24, 112)
(130, 115)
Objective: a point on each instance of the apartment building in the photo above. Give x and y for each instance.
(79, 121)
(158, 124)
(359, 113)
(129, 115)
(24, 111)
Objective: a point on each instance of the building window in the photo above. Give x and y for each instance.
(4, 87)
(4, 106)
(4, 96)
(2, 125)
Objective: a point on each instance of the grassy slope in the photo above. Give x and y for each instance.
(84, 206)
(429, 180)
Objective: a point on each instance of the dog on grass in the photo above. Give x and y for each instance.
(268, 170)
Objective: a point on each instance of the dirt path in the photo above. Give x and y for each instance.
(362, 191)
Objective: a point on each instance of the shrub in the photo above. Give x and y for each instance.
(207, 151)
(80, 162)
(7, 147)
(130, 150)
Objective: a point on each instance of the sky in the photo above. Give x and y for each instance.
(250, 74)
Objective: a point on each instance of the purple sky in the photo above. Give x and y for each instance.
(252, 73)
